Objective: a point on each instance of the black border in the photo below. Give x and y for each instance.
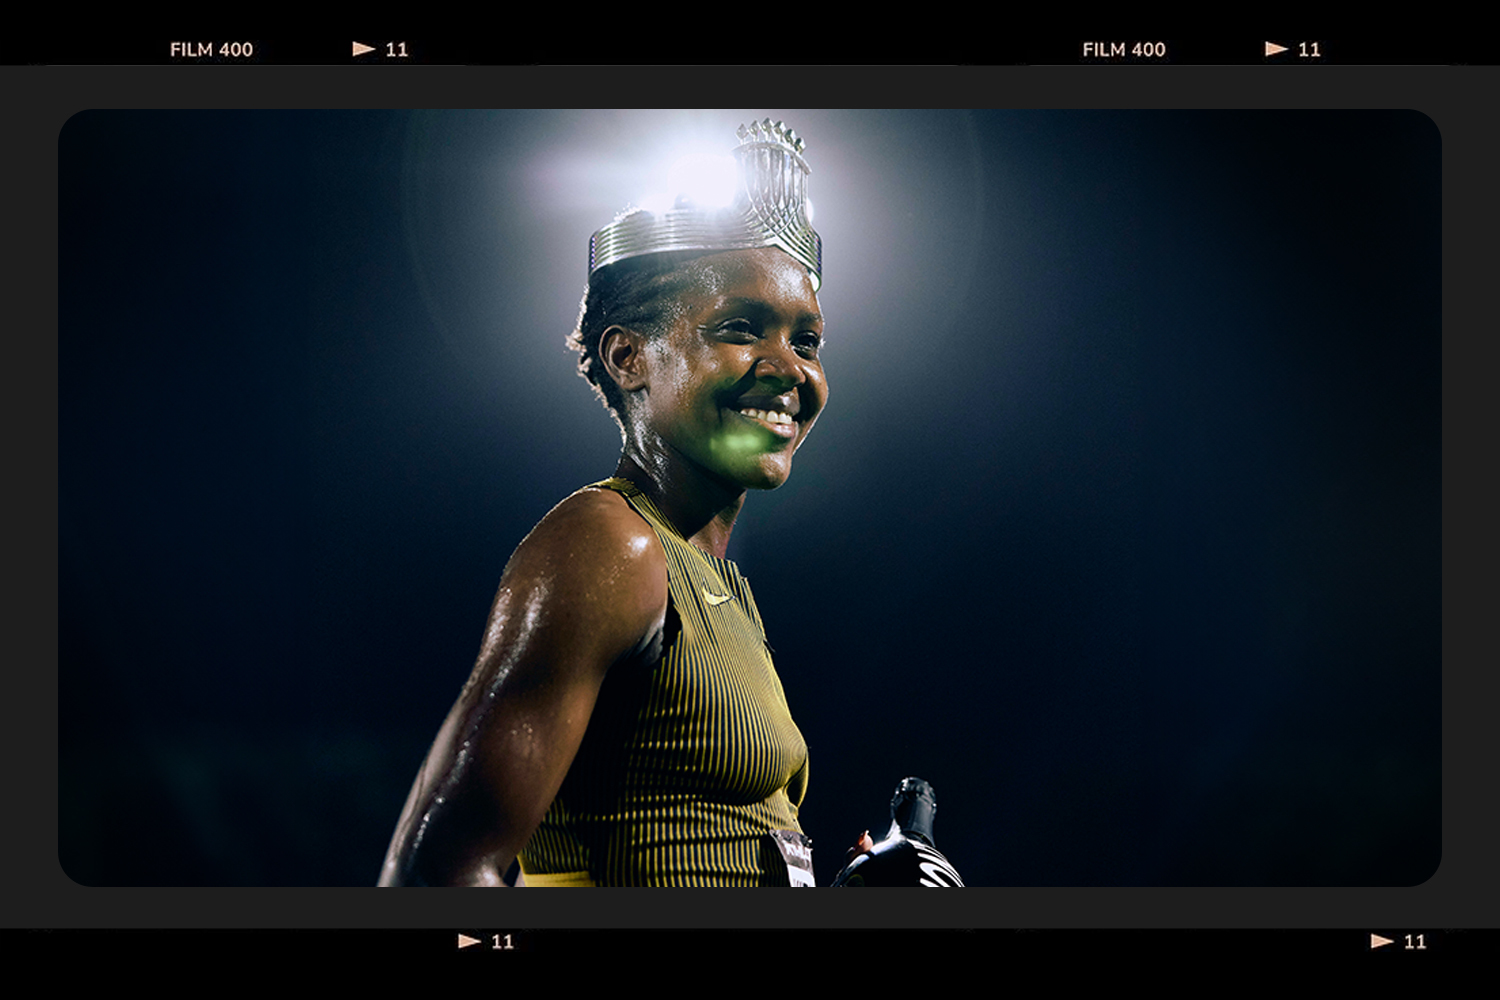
(38, 100)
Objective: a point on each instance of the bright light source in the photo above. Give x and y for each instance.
(694, 172)
(708, 180)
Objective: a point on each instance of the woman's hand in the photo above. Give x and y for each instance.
(586, 589)
(861, 845)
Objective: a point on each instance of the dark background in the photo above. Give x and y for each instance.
(1122, 527)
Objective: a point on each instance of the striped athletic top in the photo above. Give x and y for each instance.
(691, 759)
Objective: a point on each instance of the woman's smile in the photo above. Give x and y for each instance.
(775, 413)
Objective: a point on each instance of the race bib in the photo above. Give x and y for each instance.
(796, 851)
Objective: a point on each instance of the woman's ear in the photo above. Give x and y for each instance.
(624, 356)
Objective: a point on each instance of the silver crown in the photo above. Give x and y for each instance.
(770, 209)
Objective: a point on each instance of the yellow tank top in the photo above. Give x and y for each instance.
(691, 759)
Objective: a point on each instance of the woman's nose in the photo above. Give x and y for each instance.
(780, 362)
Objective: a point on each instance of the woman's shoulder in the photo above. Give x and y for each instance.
(594, 548)
(600, 516)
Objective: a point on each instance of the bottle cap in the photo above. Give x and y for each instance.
(913, 808)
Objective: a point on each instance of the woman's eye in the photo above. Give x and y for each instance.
(738, 330)
(807, 344)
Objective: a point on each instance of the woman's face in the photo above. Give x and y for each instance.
(735, 383)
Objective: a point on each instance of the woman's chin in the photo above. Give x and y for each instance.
(759, 476)
(770, 477)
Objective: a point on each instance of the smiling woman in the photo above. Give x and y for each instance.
(734, 382)
(624, 724)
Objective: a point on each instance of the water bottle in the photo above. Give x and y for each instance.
(907, 856)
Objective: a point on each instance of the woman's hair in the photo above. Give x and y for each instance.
(639, 294)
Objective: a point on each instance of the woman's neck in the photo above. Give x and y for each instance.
(700, 506)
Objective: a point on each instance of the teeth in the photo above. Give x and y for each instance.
(769, 416)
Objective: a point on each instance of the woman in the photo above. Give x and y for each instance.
(624, 724)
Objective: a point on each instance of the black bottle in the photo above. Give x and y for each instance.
(906, 857)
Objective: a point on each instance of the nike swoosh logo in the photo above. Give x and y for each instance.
(716, 599)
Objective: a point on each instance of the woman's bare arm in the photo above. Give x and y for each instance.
(586, 588)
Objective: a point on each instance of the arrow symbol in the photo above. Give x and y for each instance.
(1272, 48)
(1376, 941)
(464, 940)
(360, 48)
